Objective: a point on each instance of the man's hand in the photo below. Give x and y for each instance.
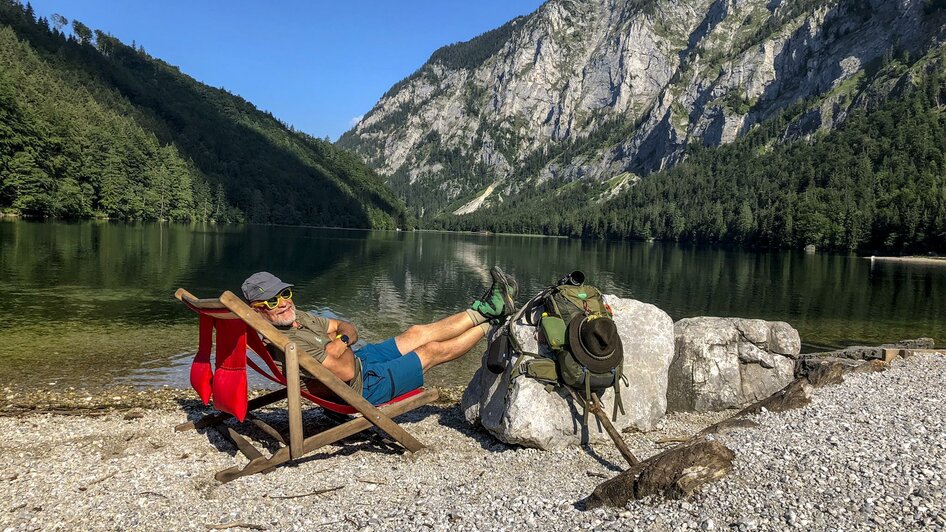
(337, 327)
(336, 348)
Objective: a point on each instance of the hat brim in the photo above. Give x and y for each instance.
(272, 292)
(593, 363)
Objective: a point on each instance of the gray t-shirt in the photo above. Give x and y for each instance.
(311, 336)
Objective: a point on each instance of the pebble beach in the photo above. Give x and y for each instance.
(868, 454)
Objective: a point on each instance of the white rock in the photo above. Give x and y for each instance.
(526, 414)
(722, 363)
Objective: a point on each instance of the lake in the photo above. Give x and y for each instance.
(90, 304)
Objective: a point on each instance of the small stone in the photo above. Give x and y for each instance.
(134, 413)
(709, 524)
(749, 523)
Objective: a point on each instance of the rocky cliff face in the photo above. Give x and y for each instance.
(614, 89)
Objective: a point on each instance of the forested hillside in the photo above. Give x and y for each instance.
(90, 126)
(877, 183)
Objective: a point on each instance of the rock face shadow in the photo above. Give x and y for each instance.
(453, 418)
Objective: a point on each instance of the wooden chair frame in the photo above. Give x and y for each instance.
(298, 445)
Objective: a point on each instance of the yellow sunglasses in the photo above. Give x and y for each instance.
(273, 302)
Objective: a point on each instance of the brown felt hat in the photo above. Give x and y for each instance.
(595, 342)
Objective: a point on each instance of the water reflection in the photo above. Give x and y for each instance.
(90, 303)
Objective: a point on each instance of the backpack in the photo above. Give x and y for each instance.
(579, 329)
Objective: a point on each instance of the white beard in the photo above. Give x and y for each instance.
(285, 319)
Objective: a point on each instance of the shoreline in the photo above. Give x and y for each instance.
(841, 462)
(485, 233)
(909, 260)
(106, 400)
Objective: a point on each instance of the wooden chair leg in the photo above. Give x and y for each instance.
(295, 401)
(248, 449)
(260, 463)
(244, 445)
(326, 437)
(267, 428)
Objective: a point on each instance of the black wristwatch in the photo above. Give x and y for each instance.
(344, 338)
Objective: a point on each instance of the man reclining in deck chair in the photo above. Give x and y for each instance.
(386, 369)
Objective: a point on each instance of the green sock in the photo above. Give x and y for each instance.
(476, 316)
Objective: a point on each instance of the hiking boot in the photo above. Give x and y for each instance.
(498, 302)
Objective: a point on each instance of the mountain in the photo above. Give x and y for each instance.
(90, 126)
(598, 100)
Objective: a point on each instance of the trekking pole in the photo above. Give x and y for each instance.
(595, 408)
(618, 440)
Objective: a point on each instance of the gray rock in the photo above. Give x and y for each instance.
(526, 414)
(722, 363)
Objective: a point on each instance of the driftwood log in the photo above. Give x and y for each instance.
(829, 371)
(727, 425)
(796, 395)
(675, 474)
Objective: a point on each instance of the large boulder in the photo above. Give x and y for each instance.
(723, 363)
(526, 414)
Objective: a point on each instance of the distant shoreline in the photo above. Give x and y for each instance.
(911, 260)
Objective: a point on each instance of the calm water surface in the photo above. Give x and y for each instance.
(90, 304)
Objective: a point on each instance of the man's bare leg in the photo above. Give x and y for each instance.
(496, 303)
(434, 353)
(439, 331)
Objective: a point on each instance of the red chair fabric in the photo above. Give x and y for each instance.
(201, 373)
(229, 380)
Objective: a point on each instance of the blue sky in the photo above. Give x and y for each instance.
(316, 65)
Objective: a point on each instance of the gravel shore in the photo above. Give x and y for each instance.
(867, 454)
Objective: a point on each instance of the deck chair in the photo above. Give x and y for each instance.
(237, 328)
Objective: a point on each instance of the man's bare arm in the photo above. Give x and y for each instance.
(337, 327)
(340, 360)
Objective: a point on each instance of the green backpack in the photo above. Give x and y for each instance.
(579, 329)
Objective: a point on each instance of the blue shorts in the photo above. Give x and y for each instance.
(387, 373)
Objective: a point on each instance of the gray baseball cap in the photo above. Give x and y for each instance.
(262, 285)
